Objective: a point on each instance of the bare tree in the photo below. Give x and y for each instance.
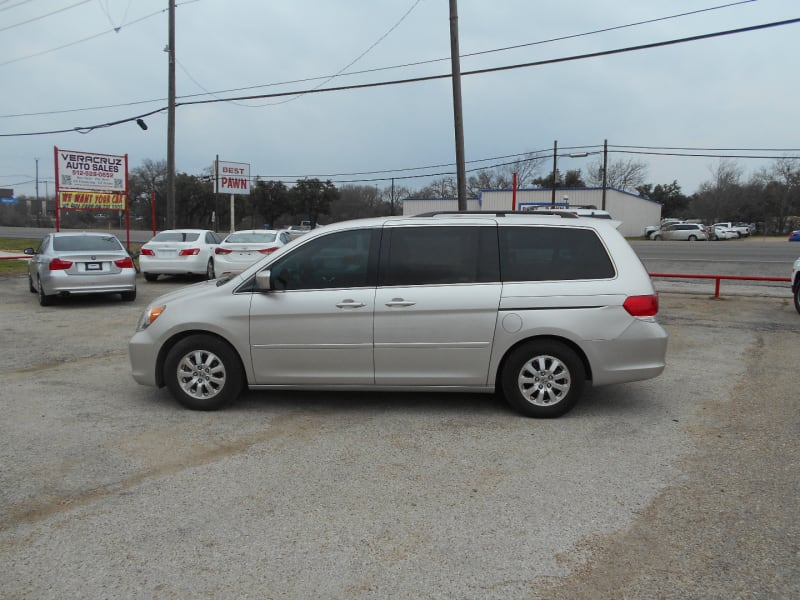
(444, 187)
(720, 198)
(625, 175)
(502, 176)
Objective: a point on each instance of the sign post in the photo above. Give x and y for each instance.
(233, 178)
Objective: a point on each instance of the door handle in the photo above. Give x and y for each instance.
(350, 304)
(400, 302)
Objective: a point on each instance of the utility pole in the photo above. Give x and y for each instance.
(171, 121)
(555, 169)
(458, 116)
(605, 170)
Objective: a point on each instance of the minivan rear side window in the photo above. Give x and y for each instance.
(552, 253)
(439, 255)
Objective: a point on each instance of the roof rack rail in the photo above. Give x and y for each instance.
(564, 214)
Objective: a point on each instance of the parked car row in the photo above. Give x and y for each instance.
(674, 229)
(205, 252)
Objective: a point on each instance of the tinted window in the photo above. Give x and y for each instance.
(89, 243)
(176, 236)
(246, 237)
(336, 260)
(440, 255)
(552, 253)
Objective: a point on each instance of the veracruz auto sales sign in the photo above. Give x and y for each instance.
(86, 171)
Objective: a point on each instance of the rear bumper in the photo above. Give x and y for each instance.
(639, 353)
(173, 266)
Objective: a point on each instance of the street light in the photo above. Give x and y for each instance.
(555, 168)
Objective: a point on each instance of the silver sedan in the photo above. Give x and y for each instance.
(71, 263)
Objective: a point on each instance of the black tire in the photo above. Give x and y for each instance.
(210, 274)
(44, 299)
(797, 297)
(543, 379)
(657, 238)
(128, 296)
(30, 284)
(692, 238)
(150, 276)
(203, 372)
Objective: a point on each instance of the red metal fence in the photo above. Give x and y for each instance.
(718, 278)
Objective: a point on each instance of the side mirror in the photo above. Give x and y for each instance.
(264, 281)
(29, 251)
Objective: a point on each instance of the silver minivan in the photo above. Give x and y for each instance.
(532, 306)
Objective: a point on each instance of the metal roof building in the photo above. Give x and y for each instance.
(635, 212)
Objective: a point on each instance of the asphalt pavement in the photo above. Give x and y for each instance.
(684, 486)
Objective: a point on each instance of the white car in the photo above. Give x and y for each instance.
(242, 248)
(721, 232)
(741, 229)
(179, 252)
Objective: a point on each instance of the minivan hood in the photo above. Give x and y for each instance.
(195, 289)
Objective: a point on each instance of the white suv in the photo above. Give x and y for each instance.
(530, 305)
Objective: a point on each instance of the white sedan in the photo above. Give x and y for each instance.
(720, 232)
(242, 248)
(179, 252)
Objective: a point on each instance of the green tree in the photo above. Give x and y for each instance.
(356, 201)
(674, 202)
(271, 199)
(571, 178)
(194, 201)
(312, 198)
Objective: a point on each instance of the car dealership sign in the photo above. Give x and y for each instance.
(232, 178)
(86, 171)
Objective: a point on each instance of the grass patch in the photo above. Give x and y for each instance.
(16, 246)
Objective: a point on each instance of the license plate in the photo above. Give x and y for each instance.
(95, 266)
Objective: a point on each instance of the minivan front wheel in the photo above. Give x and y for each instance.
(203, 372)
(543, 379)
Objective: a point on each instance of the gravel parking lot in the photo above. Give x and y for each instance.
(682, 486)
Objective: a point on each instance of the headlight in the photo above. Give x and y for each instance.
(149, 316)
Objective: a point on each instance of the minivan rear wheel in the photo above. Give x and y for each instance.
(797, 297)
(543, 379)
(203, 372)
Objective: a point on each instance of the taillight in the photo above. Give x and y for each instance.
(219, 250)
(59, 265)
(147, 252)
(189, 252)
(124, 263)
(641, 306)
(268, 250)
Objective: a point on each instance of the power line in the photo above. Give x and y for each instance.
(540, 63)
(50, 14)
(91, 37)
(340, 73)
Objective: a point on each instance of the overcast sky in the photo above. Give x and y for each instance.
(75, 64)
